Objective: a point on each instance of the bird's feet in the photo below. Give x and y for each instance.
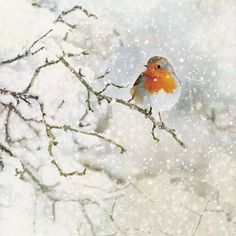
(131, 99)
(161, 124)
(148, 112)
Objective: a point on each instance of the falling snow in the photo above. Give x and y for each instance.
(58, 177)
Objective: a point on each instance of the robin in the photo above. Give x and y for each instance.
(158, 87)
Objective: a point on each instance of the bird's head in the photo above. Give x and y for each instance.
(158, 63)
(159, 75)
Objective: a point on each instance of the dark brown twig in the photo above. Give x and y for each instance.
(6, 150)
(104, 75)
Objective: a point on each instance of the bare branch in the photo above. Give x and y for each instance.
(200, 216)
(48, 63)
(36, 73)
(81, 125)
(6, 150)
(83, 53)
(62, 173)
(64, 13)
(165, 233)
(89, 221)
(110, 215)
(60, 19)
(104, 75)
(113, 85)
(122, 149)
(27, 52)
(18, 95)
(27, 121)
(60, 105)
(43, 36)
(61, 16)
(141, 192)
(88, 102)
(43, 188)
(7, 134)
(50, 135)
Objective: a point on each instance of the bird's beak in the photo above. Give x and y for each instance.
(147, 66)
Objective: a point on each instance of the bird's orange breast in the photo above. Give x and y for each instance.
(157, 80)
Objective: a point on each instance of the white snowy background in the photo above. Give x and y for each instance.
(152, 188)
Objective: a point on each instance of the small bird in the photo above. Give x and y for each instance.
(158, 87)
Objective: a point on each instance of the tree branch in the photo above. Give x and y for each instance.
(132, 106)
(88, 14)
(36, 73)
(62, 173)
(6, 150)
(61, 16)
(122, 149)
(24, 96)
(27, 52)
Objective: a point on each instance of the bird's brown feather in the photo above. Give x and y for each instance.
(138, 80)
(136, 95)
(135, 90)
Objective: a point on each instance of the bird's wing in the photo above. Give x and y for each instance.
(134, 91)
(138, 80)
(177, 78)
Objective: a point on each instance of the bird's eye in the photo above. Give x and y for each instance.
(158, 66)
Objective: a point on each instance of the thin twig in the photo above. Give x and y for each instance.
(88, 102)
(200, 216)
(27, 52)
(64, 13)
(62, 173)
(36, 73)
(113, 85)
(7, 132)
(81, 125)
(27, 121)
(43, 36)
(18, 95)
(104, 75)
(89, 221)
(6, 150)
(48, 129)
(122, 149)
(61, 16)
